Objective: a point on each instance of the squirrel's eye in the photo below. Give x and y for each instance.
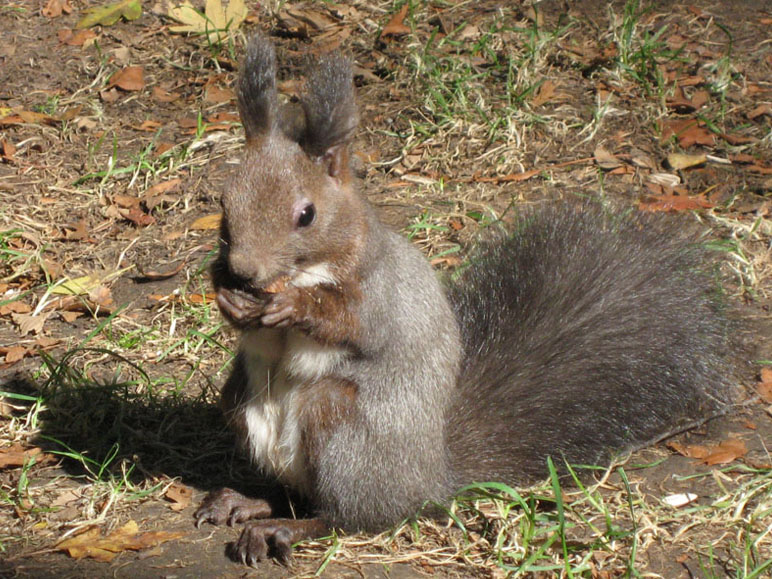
(306, 216)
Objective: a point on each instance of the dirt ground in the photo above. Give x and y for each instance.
(468, 110)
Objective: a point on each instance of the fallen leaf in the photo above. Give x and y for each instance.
(137, 216)
(544, 94)
(764, 387)
(78, 286)
(673, 203)
(78, 232)
(92, 544)
(130, 78)
(215, 94)
(150, 275)
(396, 25)
(55, 8)
(14, 354)
(109, 14)
(679, 161)
(688, 132)
(9, 150)
(29, 323)
(164, 96)
(216, 22)
(206, 298)
(70, 317)
(101, 296)
(665, 179)
(606, 160)
(726, 452)
(17, 455)
(689, 450)
(149, 126)
(78, 38)
(762, 109)
(15, 306)
(126, 201)
(180, 496)
(207, 222)
(110, 95)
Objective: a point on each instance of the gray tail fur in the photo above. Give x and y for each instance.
(586, 333)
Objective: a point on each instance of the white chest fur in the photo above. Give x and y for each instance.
(279, 363)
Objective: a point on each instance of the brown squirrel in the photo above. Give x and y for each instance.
(370, 388)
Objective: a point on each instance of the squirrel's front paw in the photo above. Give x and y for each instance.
(285, 308)
(228, 506)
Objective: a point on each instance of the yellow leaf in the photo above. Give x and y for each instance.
(214, 11)
(235, 14)
(216, 22)
(109, 14)
(207, 222)
(682, 161)
(78, 286)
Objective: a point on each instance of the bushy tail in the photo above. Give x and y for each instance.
(586, 333)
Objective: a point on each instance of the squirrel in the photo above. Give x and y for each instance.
(369, 386)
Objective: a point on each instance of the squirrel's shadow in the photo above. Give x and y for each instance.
(122, 429)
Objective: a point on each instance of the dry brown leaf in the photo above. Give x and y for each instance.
(105, 549)
(126, 201)
(28, 323)
(14, 354)
(762, 109)
(764, 387)
(688, 132)
(151, 275)
(55, 8)
(215, 94)
(544, 94)
(396, 25)
(149, 126)
(206, 298)
(9, 150)
(70, 317)
(726, 452)
(163, 187)
(673, 203)
(101, 296)
(78, 232)
(17, 455)
(16, 306)
(163, 95)
(606, 160)
(689, 450)
(179, 495)
(130, 78)
(110, 95)
(75, 38)
(207, 222)
(137, 216)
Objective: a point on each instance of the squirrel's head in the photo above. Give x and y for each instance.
(291, 212)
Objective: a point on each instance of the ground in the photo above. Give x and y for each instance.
(116, 142)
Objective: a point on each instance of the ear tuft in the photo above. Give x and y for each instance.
(329, 106)
(258, 101)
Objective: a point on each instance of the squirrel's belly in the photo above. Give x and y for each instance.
(276, 369)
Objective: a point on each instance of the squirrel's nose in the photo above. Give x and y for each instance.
(246, 266)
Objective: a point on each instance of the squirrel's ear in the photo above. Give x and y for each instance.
(258, 101)
(330, 111)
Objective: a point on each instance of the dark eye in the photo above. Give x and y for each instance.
(306, 216)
